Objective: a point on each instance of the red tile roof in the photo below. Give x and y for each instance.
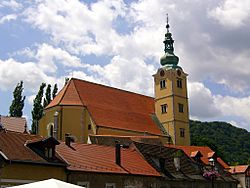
(110, 107)
(204, 150)
(12, 144)
(98, 158)
(16, 124)
(238, 169)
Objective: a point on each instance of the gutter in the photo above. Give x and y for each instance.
(4, 156)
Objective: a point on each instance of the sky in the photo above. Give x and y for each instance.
(119, 43)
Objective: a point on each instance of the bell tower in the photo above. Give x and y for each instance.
(171, 100)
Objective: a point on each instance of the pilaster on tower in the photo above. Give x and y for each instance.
(171, 100)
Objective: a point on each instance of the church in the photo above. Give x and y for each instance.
(84, 108)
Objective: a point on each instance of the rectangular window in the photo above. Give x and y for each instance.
(179, 83)
(164, 108)
(110, 185)
(181, 107)
(83, 184)
(163, 84)
(182, 132)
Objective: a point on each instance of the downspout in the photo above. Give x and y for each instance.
(61, 116)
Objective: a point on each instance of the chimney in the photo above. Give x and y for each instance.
(68, 139)
(118, 153)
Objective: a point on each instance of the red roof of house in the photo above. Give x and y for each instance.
(99, 158)
(204, 150)
(12, 145)
(110, 107)
(17, 124)
(238, 169)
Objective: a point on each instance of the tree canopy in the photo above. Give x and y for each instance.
(37, 110)
(16, 107)
(229, 142)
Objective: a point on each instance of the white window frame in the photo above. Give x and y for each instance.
(107, 185)
(84, 183)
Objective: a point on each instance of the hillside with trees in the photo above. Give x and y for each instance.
(231, 143)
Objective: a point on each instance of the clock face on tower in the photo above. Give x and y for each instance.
(179, 72)
(162, 73)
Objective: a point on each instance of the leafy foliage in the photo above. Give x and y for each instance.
(37, 111)
(47, 98)
(232, 144)
(54, 91)
(16, 108)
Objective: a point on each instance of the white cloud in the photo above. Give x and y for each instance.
(8, 18)
(11, 72)
(231, 13)
(48, 56)
(10, 4)
(202, 102)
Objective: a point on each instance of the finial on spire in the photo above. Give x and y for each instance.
(167, 26)
(169, 59)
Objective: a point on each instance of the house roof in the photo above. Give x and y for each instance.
(13, 147)
(110, 107)
(205, 151)
(238, 169)
(12, 144)
(154, 153)
(99, 158)
(17, 124)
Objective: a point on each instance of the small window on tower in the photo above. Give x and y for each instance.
(89, 126)
(182, 132)
(164, 108)
(163, 84)
(179, 83)
(181, 107)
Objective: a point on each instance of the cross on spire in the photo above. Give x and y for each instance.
(167, 26)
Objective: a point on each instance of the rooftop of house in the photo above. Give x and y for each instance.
(110, 107)
(205, 152)
(14, 147)
(17, 124)
(239, 169)
(99, 158)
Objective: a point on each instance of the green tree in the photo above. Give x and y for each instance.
(37, 110)
(47, 98)
(16, 108)
(54, 91)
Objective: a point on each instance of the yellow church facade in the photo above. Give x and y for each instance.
(82, 108)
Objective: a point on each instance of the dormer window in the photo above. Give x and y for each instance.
(163, 84)
(48, 152)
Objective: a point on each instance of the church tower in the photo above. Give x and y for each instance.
(171, 100)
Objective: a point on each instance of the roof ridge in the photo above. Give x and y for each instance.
(111, 87)
(66, 88)
(83, 103)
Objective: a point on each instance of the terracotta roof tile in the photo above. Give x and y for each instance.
(238, 169)
(12, 144)
(98, 158)
(110, 107)
(16, 124)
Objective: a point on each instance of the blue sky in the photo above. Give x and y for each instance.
(119, 43)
